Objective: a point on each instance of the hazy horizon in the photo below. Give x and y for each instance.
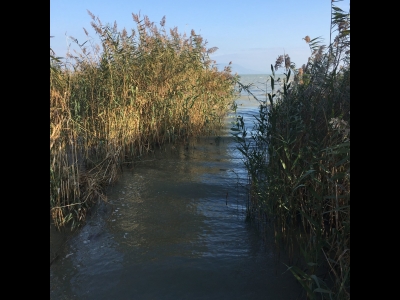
(250, 34)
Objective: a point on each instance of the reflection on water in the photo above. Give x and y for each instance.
(174, 228)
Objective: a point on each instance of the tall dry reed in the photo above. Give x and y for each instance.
(112, 102)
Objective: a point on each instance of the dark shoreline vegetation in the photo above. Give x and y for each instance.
(117, 101)
(298, 159)
(112, 103)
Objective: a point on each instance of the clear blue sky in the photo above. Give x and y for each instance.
(250, 33)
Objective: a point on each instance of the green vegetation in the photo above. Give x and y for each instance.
(113, 102)
(298, 161)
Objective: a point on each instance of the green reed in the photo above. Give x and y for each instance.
(112, 102)
(298, 161)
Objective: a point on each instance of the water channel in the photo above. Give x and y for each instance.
(174, 228)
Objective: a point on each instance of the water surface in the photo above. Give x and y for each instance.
(174, 228)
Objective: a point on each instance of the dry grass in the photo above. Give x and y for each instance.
(113, 102)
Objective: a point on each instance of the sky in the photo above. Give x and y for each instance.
(250, 33)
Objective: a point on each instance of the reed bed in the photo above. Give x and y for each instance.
(113, 102)
(298, 161)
